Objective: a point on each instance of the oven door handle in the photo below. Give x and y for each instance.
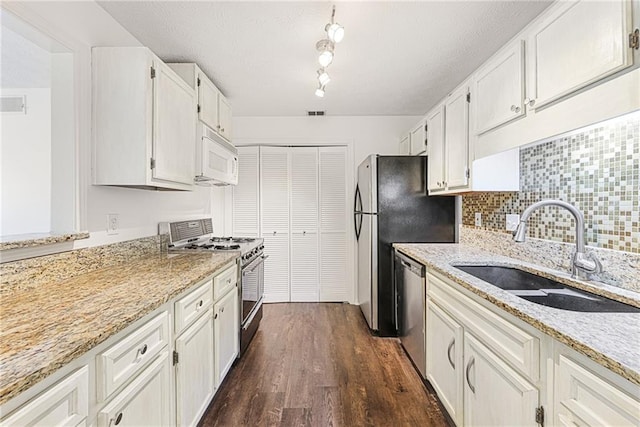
(247, 322)
(256, 264)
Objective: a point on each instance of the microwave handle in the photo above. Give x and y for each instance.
(235, 166)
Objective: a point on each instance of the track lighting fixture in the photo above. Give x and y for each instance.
(323, 77)
(326, 47)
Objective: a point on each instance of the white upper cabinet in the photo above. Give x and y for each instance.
(435, 136)
(499, 92)
(405, 147)
(213, 108)
(224, 116)
(207, 101)
(418, 139)
(144, 118)
(578, 43)
(456, 138)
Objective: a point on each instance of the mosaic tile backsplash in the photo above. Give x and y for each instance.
(597, 170)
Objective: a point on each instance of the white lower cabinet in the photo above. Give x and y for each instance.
(226, 336)
(445, 359)
(494, 393)
(477, 360)
(144, 402)
(195, 383)
(586, 394)
(64, 404)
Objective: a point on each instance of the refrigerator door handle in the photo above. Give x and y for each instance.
(357, 213)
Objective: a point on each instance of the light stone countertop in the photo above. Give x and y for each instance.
(44, 328)
(610, 339)
(38, 239)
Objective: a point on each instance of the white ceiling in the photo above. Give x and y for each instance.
(397, 58)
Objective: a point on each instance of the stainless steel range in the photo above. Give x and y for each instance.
(197, 235)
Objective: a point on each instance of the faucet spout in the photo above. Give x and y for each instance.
(582, 261)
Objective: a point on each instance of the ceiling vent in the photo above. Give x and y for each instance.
(315, 113)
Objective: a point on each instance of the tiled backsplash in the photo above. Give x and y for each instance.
(596, 169)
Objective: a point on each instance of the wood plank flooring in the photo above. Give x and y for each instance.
(318, 365)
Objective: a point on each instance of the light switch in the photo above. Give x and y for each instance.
(478, 219)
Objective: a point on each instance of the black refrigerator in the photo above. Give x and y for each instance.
(391, 205)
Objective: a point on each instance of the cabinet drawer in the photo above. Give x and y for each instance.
(66, 403)
(124, 360)
(224, 281)
(585, 398)
(190, 307)
(516, 346)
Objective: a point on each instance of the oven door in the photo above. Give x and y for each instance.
(252, 288)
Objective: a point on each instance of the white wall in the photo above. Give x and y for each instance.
(25, 154)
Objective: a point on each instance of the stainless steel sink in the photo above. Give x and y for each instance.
(544, 291)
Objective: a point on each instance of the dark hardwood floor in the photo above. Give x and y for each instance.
(318, 365)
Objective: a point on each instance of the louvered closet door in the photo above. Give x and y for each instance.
(304, 224)
(246, 195)
(274, 183)
(334, 258)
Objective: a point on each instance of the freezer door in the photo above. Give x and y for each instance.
(367, 272)
(367, 177)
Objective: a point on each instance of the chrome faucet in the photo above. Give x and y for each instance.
(583, 263)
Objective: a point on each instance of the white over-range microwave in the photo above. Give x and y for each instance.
(216, 159)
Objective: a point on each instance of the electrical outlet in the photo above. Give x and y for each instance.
(113, 223)
(512, 221)
(478, 219)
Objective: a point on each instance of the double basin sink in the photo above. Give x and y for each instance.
(545, 291)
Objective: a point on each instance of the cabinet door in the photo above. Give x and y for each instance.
(445, 359)
(494, 394)
(334, 220)
(208, 102)
(274, 201)
(304, 224)
(174, 127)
(405, 147)
(226, 334)
(587, 399)
(146, 401)
(246, 194)
(195, 382)
(559, 64)
(499, 89)
(456, 139)
(435, 161)
(64, 404)
(417, 140)
(224, 115)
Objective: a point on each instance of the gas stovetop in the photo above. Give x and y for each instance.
(196, 236)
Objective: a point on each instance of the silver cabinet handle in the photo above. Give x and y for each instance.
(515, 108)
(529, 102)
(472, 362)
(116, 420)
(451, 344)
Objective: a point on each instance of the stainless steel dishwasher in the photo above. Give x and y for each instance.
(411, 289)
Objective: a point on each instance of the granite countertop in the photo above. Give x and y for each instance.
(38, 239)
(610, 339)
(46, 327)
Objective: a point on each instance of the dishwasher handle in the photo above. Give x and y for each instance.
(418, 270)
